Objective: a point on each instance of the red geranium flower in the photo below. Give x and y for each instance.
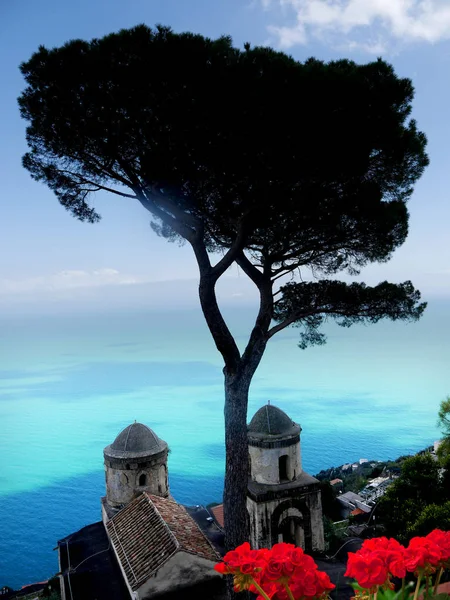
(323, 583)
(304, 584)
(302, 561)
(367, 568)
(374, 545)
(422, 554)
(244, 563)
(278, 564)
(442, 540)
(395, 559)
(389, 551)
(396, 564)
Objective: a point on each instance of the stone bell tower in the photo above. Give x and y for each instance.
(135, 462)
(283, 501)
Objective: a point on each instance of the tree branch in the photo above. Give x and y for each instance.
(202, 256)
(101, 168)
(250, 270)
(235, 250)
(289, 321)
(99, 186)
(107, 189)
(258, 338)
(313, 255)
(223, 339)
(282, 273)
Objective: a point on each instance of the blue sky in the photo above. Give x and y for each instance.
(49, 258)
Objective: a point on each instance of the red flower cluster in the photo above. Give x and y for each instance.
(379, 559)
(426, 554)
(442, 540)
(375, 562)
(423, 555)
(286, 572)
(273, 570)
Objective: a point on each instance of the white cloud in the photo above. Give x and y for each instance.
(370, 25)
(289, 36)
(65, 280)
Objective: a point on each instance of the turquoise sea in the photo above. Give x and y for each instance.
(69, 384)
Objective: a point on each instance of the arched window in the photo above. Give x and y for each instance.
(283, 468)
(142, 479)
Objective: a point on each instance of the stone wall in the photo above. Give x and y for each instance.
(264, 463)
(303, 510)
(123, 478)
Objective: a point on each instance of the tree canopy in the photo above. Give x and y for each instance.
(299, 164)
(416, 499)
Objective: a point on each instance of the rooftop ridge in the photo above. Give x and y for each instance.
(169, 531)
(128, 435)
(268, 418)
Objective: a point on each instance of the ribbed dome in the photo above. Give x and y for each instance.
(272, 421)
(135, 440)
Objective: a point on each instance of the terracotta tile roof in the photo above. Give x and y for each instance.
(217, 513)
(357, 512)
(184, 528)
(142, 540)
(334, 481)
(148, 531)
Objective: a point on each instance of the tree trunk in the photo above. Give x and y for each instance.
(236, 470)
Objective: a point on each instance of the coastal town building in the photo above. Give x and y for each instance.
(375, 488)
(149, 546)
(338, 485)
(153, 547)
(351, 502)
(283, 501)
(135, 462)
(160, 548)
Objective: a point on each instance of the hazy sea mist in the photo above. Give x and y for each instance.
(69, 384)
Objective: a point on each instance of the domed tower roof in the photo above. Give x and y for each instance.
(136, 440)
(270, 424)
